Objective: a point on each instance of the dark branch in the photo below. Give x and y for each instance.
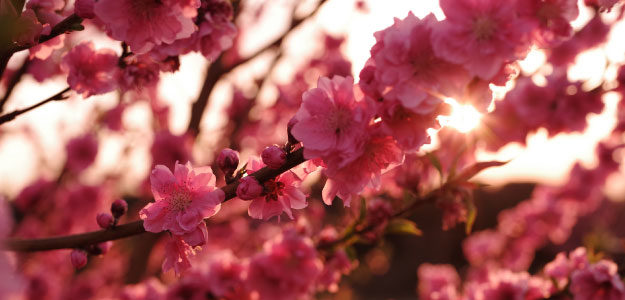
(134, 228)
(12, 115)
(15, 79)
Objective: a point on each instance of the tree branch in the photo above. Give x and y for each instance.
(15, 79)
(71, 23)
(134, 228)
(12, 115)
(217, 69)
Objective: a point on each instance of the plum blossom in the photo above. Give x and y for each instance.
(81, 152)
(438, 282)
(183, 199)
(177, 254)
(479, 31)
(551, 18)
(286, 269)
(330, 122)
(379, 153)
(281, 194)
(143, 24)
(598, 281)
(91, 72)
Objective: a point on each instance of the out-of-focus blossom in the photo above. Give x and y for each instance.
(286, 269)
(598, 281)
(81, 152)
(90, 72)
(143, 24)
(438, 282)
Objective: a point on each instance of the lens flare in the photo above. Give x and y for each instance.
(463, 117)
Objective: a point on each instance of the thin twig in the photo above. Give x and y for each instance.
(217, 69)
(12, 115)
(15, 79)
(134, 228)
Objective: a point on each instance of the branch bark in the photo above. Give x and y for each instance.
(12, 115)
(134, 228)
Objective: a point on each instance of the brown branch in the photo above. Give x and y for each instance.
(430, 197)
(15, 79)
(217, 69)
(12, 115)
(134, 228)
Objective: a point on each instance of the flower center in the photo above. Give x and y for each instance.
(180, 200)
(483, 28)
(273, 189)
(145, 8)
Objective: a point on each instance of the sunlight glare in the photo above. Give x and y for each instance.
(463, 117)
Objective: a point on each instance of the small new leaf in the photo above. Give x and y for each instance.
(476, 168)
(403, 226)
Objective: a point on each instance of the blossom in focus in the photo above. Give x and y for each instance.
(182, 199)
(280, 194)
(476, 31)
(330, 122)
(90, 72)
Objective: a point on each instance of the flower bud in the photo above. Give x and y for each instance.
(119, 208)
(228, 160)
(289, 127)
(249, 188)
(105, 220)
(274, 157)
(78, 258)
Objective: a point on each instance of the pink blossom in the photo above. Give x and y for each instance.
(91, 72)
(226, 278)
(84, 8)
(138, 72)
(279, 195)
(331, 122)
(379, 152)
(182, 199)
(273, 156)
(482, 35)
(216, 32)
(81, 152)
(503, 284)
(483, 246)
(407, 127)
(438, 282)
(168, 148)
(177, 255)
(551, 17)
(143, 24)
(333, 268)
(151, 289)
(598, 281)
(286, 269)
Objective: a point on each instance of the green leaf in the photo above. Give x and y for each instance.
(403, 226)
(363, 210)
(435, 162)
(471, 214)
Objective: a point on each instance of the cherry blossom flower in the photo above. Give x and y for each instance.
(331, 122)
(81, 152)
(551, 17)
(177, 254)
(279, 195)
(598, 281)
(91, 72)
(379, 153)
(438, 282)
(183, 199)
(143, 24)
(286, 269)
(480, 31)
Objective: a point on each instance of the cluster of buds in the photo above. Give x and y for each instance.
(78, 257)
